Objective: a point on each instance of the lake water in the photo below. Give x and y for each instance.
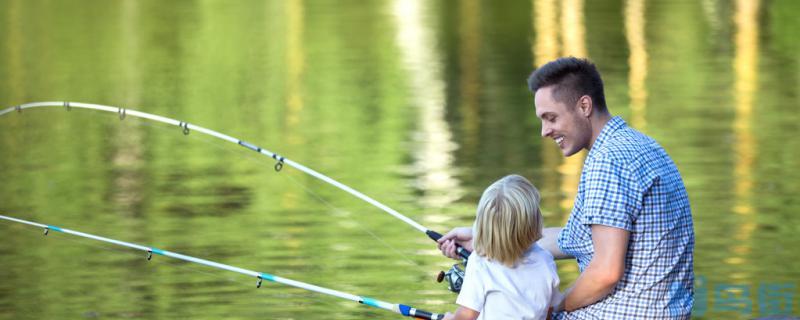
(419, 104)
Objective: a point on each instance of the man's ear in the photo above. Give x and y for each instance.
(585, 105)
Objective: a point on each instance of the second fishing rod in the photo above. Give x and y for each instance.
(402, 309)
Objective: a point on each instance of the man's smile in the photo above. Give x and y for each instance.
(559, 140)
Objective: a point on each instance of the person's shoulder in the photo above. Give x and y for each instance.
(479, 262)
(627, 138)
(539, 261)
(537, 254)
(627, 145)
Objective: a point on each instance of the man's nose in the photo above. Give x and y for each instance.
(545, 130)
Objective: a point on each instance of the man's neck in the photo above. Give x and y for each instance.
(598, 121)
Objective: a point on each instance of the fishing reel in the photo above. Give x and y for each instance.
(454, 276)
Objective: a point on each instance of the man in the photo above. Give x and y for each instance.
(630, 229)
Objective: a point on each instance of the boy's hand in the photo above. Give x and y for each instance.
(462, 313)
(461, 236)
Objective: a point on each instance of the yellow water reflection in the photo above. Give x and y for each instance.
(295, 64)
(545, 20)
(128, 152)
(295, 67)
(637, 61)
(745, 65)
(573, 28)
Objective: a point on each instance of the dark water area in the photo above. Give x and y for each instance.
(418, 104)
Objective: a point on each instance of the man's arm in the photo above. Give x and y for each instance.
(463, 236)
(605, 269)
(549, 242)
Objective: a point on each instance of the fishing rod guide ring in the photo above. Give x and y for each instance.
(121, 112)
(67, 106)
(185, 126)
(279, 164)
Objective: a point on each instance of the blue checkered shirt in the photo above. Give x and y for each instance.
(629, 182)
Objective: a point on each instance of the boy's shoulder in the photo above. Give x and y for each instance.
(537, 254)
(534, 257)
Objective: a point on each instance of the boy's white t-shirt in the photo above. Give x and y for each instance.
(526, 291)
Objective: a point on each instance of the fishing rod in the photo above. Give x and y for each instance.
(402, 309)
(188, 127)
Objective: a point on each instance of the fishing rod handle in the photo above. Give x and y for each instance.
(461, 251)
(420, 314)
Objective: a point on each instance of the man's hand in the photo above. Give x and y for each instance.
(549, 242)
(461, 236)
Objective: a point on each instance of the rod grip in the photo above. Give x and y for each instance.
(428, 315)
(421, 314)
(433, 235)
(463, 253)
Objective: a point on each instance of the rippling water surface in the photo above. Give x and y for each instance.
(419, 104)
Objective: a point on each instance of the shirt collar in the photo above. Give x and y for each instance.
(614, 124)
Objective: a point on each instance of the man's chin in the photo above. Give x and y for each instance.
(568, 153)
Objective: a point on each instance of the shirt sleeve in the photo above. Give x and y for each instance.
(473, 293)
(612, 195)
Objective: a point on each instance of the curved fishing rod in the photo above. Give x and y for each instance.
(187, 127)
(402, 309)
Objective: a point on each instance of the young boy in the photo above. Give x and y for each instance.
(508, 276)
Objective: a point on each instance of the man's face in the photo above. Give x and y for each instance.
(567, 125)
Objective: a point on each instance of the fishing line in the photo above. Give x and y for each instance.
(259, 161)
(359, 225)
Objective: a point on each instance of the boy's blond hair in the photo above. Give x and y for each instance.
(508, 221)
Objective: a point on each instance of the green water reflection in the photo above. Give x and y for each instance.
(419, 104)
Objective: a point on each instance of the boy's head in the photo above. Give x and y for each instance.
(508, 220)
